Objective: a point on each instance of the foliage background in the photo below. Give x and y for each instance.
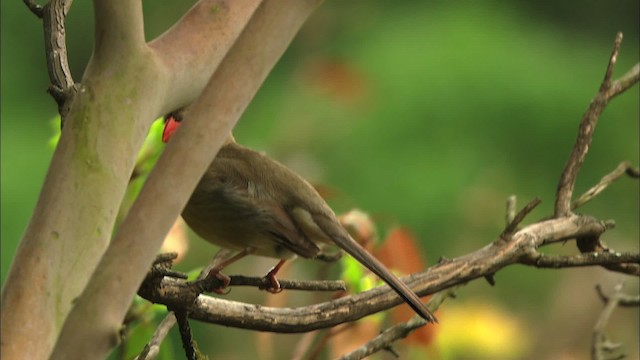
(426, 115)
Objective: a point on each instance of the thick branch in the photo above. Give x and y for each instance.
(72, 222)
(193, 48)
(101, 308)
(118, 30)
(480, 263)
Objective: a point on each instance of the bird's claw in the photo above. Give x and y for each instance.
(275, 287)
(225, 279)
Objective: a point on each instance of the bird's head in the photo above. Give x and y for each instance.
(171, 124)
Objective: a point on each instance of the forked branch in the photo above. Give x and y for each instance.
(608, 90)
(511, 247)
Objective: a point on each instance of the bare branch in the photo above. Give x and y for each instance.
(517, 219)
(625, 82)
(62, 87)
(567, 181)
(185, 334)
(303, 285)
(633, 172)
(624, 300)
(601, 347)
(180, 293)
(606, 82)
(586, 259)
(625, 268)
(623, 168)
(483, 262)
(511, 210)
(152, 349)
(34, 8)
(54, 14)
(397, 332)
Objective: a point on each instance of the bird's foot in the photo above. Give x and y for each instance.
(275, 287)
(225, 279)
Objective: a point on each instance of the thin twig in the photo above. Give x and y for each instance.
(185, 334)
(302, 285)
(517, 219)
(606, 82)
(35, 8)
(152, 348)
(511, 210)
(625, 268)
(625, 82)
(588, 123)
(172, 292)
(624, 300)
(622, 169)
(633, 172)
(62, 87)
(587, 259)
(399, 331)
(601, 346)
(306, 344)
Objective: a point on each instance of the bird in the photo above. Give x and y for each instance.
(248, 202)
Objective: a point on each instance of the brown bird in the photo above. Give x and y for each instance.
(251, 203)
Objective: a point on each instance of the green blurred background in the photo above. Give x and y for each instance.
(424, 114)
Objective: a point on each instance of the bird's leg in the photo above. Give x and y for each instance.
(271, 276)
(214, 272)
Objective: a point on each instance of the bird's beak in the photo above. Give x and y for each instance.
(170, 126)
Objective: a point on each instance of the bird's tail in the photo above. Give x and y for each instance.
(348, 244)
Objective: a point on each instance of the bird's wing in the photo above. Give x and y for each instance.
(288, 233)
(267, 213)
